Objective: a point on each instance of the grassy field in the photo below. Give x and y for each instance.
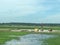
(53, 41)
(8, 27)
(6, 36)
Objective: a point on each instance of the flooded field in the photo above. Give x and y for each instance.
(30, 39)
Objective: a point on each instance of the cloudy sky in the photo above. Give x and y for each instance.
(30, 11)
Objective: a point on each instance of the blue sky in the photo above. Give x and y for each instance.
(30, 11)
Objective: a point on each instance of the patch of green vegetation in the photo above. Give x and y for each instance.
(6, 33)
(27, 27)
(5, 36)
(53, 41)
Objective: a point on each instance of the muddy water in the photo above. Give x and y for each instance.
(30, 39)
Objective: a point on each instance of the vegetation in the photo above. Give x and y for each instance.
(10, 27)
(6, 36)
(53, 41)
(5, 33)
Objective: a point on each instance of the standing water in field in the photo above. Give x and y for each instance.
(30, 39)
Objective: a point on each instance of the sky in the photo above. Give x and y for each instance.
(30, 11)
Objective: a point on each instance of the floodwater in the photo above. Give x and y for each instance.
(30, 39)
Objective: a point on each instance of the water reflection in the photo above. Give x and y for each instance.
(30, 39)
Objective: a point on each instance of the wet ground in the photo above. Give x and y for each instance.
(30, 39)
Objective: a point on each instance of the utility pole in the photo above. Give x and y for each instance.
(41, 26)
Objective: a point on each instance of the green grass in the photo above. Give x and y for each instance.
(53, 41)
(28, 27)
(5, 36)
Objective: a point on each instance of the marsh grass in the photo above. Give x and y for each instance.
(54, 40)
(5, 36)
